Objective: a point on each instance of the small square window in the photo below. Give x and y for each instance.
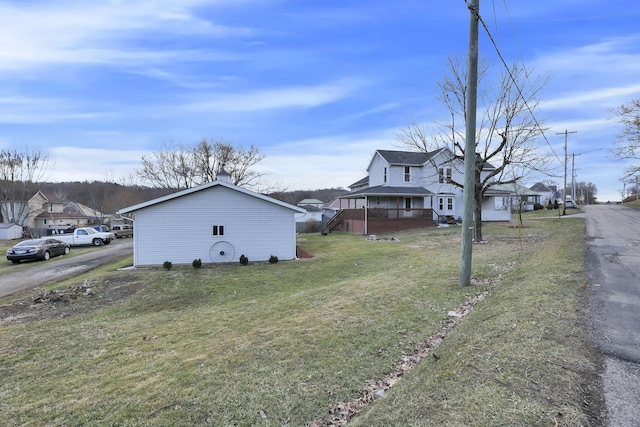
(218, 230)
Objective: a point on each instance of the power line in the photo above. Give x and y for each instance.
(504, 63)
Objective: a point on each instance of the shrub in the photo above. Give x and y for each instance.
(244, 260)
(197, 263)
(537, 207)
(273, 259)
(167, 265)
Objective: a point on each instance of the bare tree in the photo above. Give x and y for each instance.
(507, 132)
(20, 174)
(628, 140)
(180, 166)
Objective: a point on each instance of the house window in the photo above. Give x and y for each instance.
(407, 203)
(444, 175)
(385, 176)
(45, 222)
(407, 174)
(441, 203)
(218, 230)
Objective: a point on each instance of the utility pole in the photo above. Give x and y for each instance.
(564, 188)
(470, 146)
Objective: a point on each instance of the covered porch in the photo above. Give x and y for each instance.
(380, 210)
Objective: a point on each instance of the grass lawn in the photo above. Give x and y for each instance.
(285, 344)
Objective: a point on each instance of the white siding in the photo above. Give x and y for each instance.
(180, 230)
(376, 171)
(494, 210)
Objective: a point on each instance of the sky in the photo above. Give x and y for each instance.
(316, 86)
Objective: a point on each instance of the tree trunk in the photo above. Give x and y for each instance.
(477, 217)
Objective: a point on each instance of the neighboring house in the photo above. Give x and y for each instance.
(310, 221)
(311, 202)
(47, 211)
(10, 231)
(520, 196)
(406, 189)
(547, 193)
(93, 216)
(329, 209)
(215, 222)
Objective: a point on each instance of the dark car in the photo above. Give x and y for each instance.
(42, 249)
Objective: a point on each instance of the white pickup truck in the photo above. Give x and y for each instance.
(86, 236)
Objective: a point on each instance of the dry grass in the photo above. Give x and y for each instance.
(276, 345)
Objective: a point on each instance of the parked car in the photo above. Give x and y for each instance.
(37, 249)
(121, 231)
(101, 228)
(571, 204)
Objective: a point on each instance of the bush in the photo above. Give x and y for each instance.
(167, 265)
(273, 259)
(197, 263)
(244, 260)
(537, 207)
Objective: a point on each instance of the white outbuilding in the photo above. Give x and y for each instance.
(10, 231)
(215, 222)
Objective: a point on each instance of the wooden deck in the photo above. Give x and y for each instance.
(379, 220)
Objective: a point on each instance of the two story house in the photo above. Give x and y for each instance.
(405, 190)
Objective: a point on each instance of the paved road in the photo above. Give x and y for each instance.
(39, 273)
(613, 268)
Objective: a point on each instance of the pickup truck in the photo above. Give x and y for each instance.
(122, 231)
(86, 236)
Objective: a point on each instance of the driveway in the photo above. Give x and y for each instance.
(40, 273)
(613, 269)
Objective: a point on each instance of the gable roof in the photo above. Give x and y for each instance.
(363, 181)
(206, 186)
(538, 186)
(513, 188)
(310, 202)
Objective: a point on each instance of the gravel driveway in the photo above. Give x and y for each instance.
(40, 273)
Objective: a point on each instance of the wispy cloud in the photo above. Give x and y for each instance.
(610, 96)
(278, 98)
(32, 110)
(92, 33)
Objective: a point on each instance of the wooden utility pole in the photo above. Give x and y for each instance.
(470, 146)
(564, 188)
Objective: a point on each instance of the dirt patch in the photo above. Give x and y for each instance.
(64, 302)
(301, 253)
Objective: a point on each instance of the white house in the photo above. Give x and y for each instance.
(406, 189)
(215, 222)
(10, 231)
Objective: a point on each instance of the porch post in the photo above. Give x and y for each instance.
(366, 216)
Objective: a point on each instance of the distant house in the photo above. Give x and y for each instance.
(548, 193)
(406, 189)
(47, 211)
(310, 202)
(215, 222)
(521, 197)
(329, 209)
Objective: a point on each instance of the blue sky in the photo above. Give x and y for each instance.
(316, 86)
